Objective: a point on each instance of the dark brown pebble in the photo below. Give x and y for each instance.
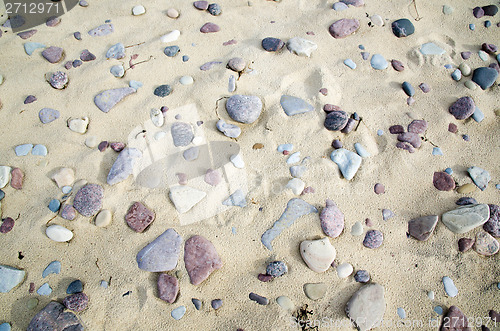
(53, 21)
(265, 278)
(489, 48)
(17, 177)
(86, 56)
(397, 65)
(76, 302)
(272, 44)
(103, 145)
(117, 147)
(29, 99)
(396, 129)
(27, 34)
(410, 137)
(490, 10)
(32, 288)
(379, 188)
(465, 55)
(442, 181)
(495, 316)
(463, 201)
(452, 127)
(464, 244)
(336, 120)
(7, 225)
(323, 91)
(351, 124)
(258, 146)
(328, 108)
(417, 126)
(405, 146)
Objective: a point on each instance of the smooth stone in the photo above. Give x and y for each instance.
(480, 177)
(91, 141)
(117, 51)
(467, 188)
(456, 75)
(236, 64)
(231, 87)
(4, 176)
(135, 84)
(172, 13)
(447, 10)
(186, 80)
(259, 299)
(78, 125)
(5, 327)
(163, 90)
(401, 313)
(443, 181)
(48, 115)
(484, 77)
(139, 217)
(478, 115)
(449, 287)
(344, 270)
(298, 171)
(357, 229)
(421, 228)
(138, 10)
(75, 286)
(285, 303)
(318, 254)
(470, 85)
(457, 320)
(347, 161)
(123, 166)
(483, 55)
(10, 277)
(237, 161)
(200, 259)
(339, 6)
(214, 9)
(201, 5)
(68, 212)
(485, 244)
(17, 177)
(295, 209)
(86, 56)
(212, 177)
(350, 63)
(373, 239)
(64, 177)
(161, 254)
(191, 154)
(178, 313)
(467, 201)
(197, 303)
(23, 150)
(293, 105)
(431, 49)
(465, 69)
(171, 36)
(157, 117)
(466, 218)
(45, 289)
(397, 65)
(168, 288)
(244, 108)
(408, 89)
(30, 47)
(272, 44)
(355, 3)
(171, 51)
(109, 98)
(2, 193)
(478, 12)
(229, 130)
(387, 214)
(315, 291)
(54, 205)
(53, 54)
(430, 295)
(301, 46)
(285, 147)
(490, 10)
(103, 218)
(336, 120)
(209, 65)
(54, 317)
(425, 87)
(294, 158)
(492, 226)
(417, 126)
(185, 197)
(117, 70)
(332, 219)
(88, 199)
(377, 20)
(238, 198)
(209, 28)
(343, 28)
(296, 185)
(362, 276)
(216, 303)
(53, 268)
(361, 150)
(463, 108)
(366, 307)
(402, 28)
(182, 134)
(58, 233)
(378, 62)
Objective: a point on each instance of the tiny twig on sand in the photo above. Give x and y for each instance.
(414, 3)
(135, 45)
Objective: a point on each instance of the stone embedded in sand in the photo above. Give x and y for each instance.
(301, 46)
(455, 320)
(27, 34)
(315, 291)
(336, 120)
(64, 177)
(123, 166)
(378, 62)
(295, 208)
(463, 108)
(410, 137)
(53, 21)
(318, 254)
(362, 276)
(236, 64)
(102, 30)
(209, 28)
(293, 105)
(347, 161)
(355, 3)
(396, 129)
(17, 177)
(492, 226)
(7, 225)
(343, 28)
(276, 269)
(168, 288)
(443, 181)
(332, 219)
(417, 126)
(244, 108)
(10, 277)
(387, 214)
(116, 51)
(88, 200)
(466, 218)
(59, 80)
(480, 177)
(209, 65)
(464, 244)
(421, 228)
(397, 65)
(53, 54)
(48, 115)
(185, 197)
(229, 130)
(4, 175)
(182, 134)
(238, 198)
(139, 217)
(78, 125)
(272, 44)
(373, 239)
(53, 317)
(109, 98)
(402, 28)
(344, 270)
(366, 307)
(212, 177)
(68, 212)
(30, 47)
(162, 253)
(200, 258)
(485, 244)
(76, 302)
(58, 233)
(484, 77)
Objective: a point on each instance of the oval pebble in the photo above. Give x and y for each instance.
(339, 6)
(344, 270)
(397, 65)
(5, 327)
(442, 181)
(75, 286)
(401, 313)
(58, 233)
(178, 313)
(59, 80)
(209, 28)
(449, 287)
(236, 64)
(378, 62)
(408, 89)
(138, 10)
(285, 303)
(48, 115)
(76, 302)
(379, 188)
(103, 218)
(276, 269)
(7, 225)
(171, 36)
(186, 80)
(373, 239)
(377, 20)
(272, 44)
(214, 9)
(336, 120)
(357, 229)
(163, 90)
(362, 276)
(438, 310)
(350, 63)
(172, 13)
(54, 205)
(259, 299)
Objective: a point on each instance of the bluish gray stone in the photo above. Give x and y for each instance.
(196, 303)
(466, 218)
(229, 130)
(456, 75)
(109, 98)
(480, 177)
(238, 198)
(431, 49)
(402, 28)
(102, 30)
(293, 105)
(272, 44)
(182, 134)
(118, 71)
(171, 51)
(123, 166)
(163, 90)
(10, 277)
(2, 195)
(116, 51)
(408, 89)
(244, 108)
(161, 254)
(53, 268)
(178, 313)
(484, 77)
(347, 161)
(191, 154)
(54, 205)
(361, 150)
(436, 151)
(483, 55)
(348, 62)
(362, 276)
(276, 269)
(75, 286)
(387, 214)
(216, 303)
(5, 327)
(378, 62)
(23, 150)
(438, 310)
(185, 58)
(39, 150)
(401, 313)
(478, 115)
(294, 158)
(472, 26)
(45, 289)
(30, 47)
(449, 287)
(339, 6)
(48, 115)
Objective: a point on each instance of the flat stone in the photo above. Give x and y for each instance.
(139, 217)
(117, 51)
(408, 89)
(117, 70)
(237, 161)
(182, 134)
(185, 197)
(178, 313)
(478, 115)
(197, 303)
(443, 181)
(88, 200)
(425, 88)
(244, 108)
(216, 303)
(347, 161)
(463, 108)
(212, 177)
(214, 9)
(64, 177)
(294, 106)
(402, 28)
(355, 3)
(209, 65)
(339, 6)
(463, 201)
(75, 286)
(54, 205)
(103, 218)
(464, 244)
(378, 62)
(285, 303)
(490, 10)
(315, 291)
(296, 185)
(86, 56)
(466, 218)
(123, 165)
(449, 287)
(431, 49)
(10, 277)
(27, 34)
(76, 302)
(200, 259)
(318, 254)
(58, 233)
(53, 54)
(357, 229)
(480, 177)
(272, 44)
(109, 98)
(191, 153)
(373, 239)
(366, 307)
(332, 219)
(485, 244)
(344, 270)
(30, 47)
(238, 199)
(343, 28)
(301, 46)
(172, 13)
(421, 228)
(417, 126)
(237, 64)
(168, 288)
(186, 80)
(7, 225)
(53, 317)
(209, 28)
(78, 125)
(397, 65)
(484, 77)
(492, 226)
(48, 115)
(377, 20)
(259, 299)
(229, 130)
(171, 51)
(387, 214)
(201, 5)
(16, 180)
(4, 176)
(410, 137)
(23, 150)
(54, 267)
(336, 120)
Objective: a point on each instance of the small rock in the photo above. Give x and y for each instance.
(77, 35)
(237, 161)
(138, 10)
(53, 54)
(77, 63)
(339, 6)
(75, 286)
(296, 185)
(76, 302)
(417, 126)
(172, 13)
(64, 177)
(29, 99)
(86, 56)
(10, 277)
(492, 226)
(209, 28)
(168, 288)
(490, 10)
(17, 177)
(78, 125)
(216, 303)
(161, 254)
(209, 65)
(7, 225)
(379, 188)
(123, 165)
(466, 201)
(336, 120)
(377, 20)
(431, 49)
(53, 21)
(466, 218)
(373, 239)
(116, 51)
(117, 70)
(442, 181)
(357, 229)
(139, 217)
(425, 87)
(452, 128)
(293, 105)
(402, 28)
(484, 77)
(343, 28)
(366, 307)
(361, 150)
(396, 129)
(485, 244)
(265, 278)
(182, 134)
(68, 212)
(480, 177)
(397, 65)
(178, 313)
(447, 10)
(48, 115)
(58, 233)
(478, 12)
(21, 150)
(27, 34)
(186, 80)
(244, 108)
(301, 46)
(88, 200)
(421, 228)
(109, 98)
(344, 270)
(276, 269)
(184, 197)
(53, 317)
(347, 161)
(457, 320)
(408, 89)
(214, 9)
(332, 219)
(30, 47)
(410, 137)
(258, 298)
(212, 177)
(59, 80)
(272, 44)
(200, 259)
(285, 303)
(103, 218)
(317, 254)
(378, 62)
(449, 287)
(387, 214)
(54, 205)
(236, 64)
(362, 276)
(315, 291)
(201, 5)
(464, 244)
(197, 303)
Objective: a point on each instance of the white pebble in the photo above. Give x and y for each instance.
(344, 270)
(285, 303)
(231, 87)
(138, 10)
(156, 117)
(172, 13)
(237, 161)
(4, 175)
(66, 189)
(197, 140)
(64, 177)
(357, 229)
(186, 80)
(78, 125)
(294, 158)
(59, 233)
(361, 150)
(104, 218)
(377, 20)
(160, 135)
(449, 287)
(430, 295)
(296, 185)
(91, 142)
(483, 55)
(171, 36)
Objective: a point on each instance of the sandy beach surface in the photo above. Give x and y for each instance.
(407, 269)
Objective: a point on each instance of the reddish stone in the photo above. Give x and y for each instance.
(455, 320)
(200, 259)
(328, 108)
(103, 145)
(323, 91)
(405, 146)
(452, 127)
(410, 137)
(368, 222)
(76, 302)
(396, 129)
(397, 65)
(117, 147)
(464, 244)
(209, 28)
(265, 278)
(7, 225)
(442, 181)
(168, 288)
(32, 288)
(17, 177)
(379, 188)
(139, 217)
(417, 126)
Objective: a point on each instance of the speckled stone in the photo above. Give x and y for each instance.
(417, 126)
(53, 54)
(59, 80)
(68, 212)
(139, 217)
(411, 138)
(492, 226)
(402, 28)
(462, 108)
(276, 269)
(343, 28)
(485, 244)
(76, 302)
(362, 276)
(244, 108)
(373, 239)
(464, 244)
(209, 28)
(48, 115)
(168, 288)
(53, 317)
(332, 219)
(336, 120)
(272, 44)
(7, 225)
(200, 259)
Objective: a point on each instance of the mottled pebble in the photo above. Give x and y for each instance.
(402, 28)
(209, 28)
(86, 56)
(48, 115)
(480, 177)
(362, 276)
(58, 80)
(397, 65)
(117, 51)
(485, 244)
(378, 62)
(336, 120)
(464, 244)
(272, 44)
(373, 239)
(387, 214)
(200, 259)
(463, 108)
(7, 225)
(68, 212)
(214, 9)
(343, 28)
(53, 54)
(76, 302)
(139, 217)
(29, 99)
(201, 5)
(244, 108)
(209, 65)
(276, 269)
(443, 181)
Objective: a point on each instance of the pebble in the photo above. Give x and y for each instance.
(54, 205)
(377, 20)
(236, 64)
(417, 126)
(463, 108)
(216, 304)
(466, 218)
(365, 55)
(78, 125)
(483, 55)
(139, 217)
(350, 63)
(339, 6)
(296, 185)
(478, 12)
(30, 47)
(186, 80)
(106, 100)
(53, 54)
(169, 37)
(138, 10)
(163, 90)
(396, 129)
(103, 218)
(458, 321)
(378, 62)
(347, 161)
(465, 69)
(209, 65)
(170, 51)
(442, 181)
(294, 158)
(397, 65)
(402, 28)
(430, 295)
(449, 287)
(285, 303)
(168, 288)
(379, 188)
(45, 289)
(387, 214)
(77, 35)
(76, 302)
(485, 244)
(276, 269)
(178, 313)
(237, 161)
(318, 254)
(23, 150)
(464, 244)
(357, 229)
(7, 225)
(456, 75)
(480, 177)
(117, 51)
(490, 10)
(478, 115)
(421, 228)
(172, 13)
(315, 291)
(17, 177)
(88, 200)
(197, 303)
(212, 177)
(59, 80)
(236, 199)
(373, 239)
(64, 177)
(10, 277)
(301, 46)
(161, 254)
(53, 268)
(123, 165)
(344, 270)
(209, 28)
(492, 226)
(231, 87)
(77, 63)
(272, 44)
(75, 286)
(53, 317)
(68, 212)
(362, 276)
(2, 193)
(135, 84)
(484, 77)
(366, 307)
(48, 115)
(465, 137)
(29, 99)
(258, 298)
(184, 197)
(425, 87)
(191, 154)
(470, 85)
(408, 89)
(27, 34)
(214, 9)
(355, 3)
(294, 106)
(436, 151)
(343, 28)
(472, 27)
(244, 108)
(53, 21)
(336, 120)
(447, 10)
(117, 70)
(182, 134)
(361, 150)
(295, 209)
(86, 56)
(201, 5)
(282, 148)
(332, 219)
(298, 171)
(466, 201)
(431, 49)
(83, 3)
(336, 144)
(200, 259)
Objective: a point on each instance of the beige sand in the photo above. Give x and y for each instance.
(406, 268)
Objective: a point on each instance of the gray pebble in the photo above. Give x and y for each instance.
(216, 304)
(196, 303)
(163, 90)
(362, 276)
(214, 9)
(259, 299)
(276, 269)
(171, 51)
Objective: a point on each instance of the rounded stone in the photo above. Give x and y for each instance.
(336, 120)
(103, 219)
(492, 226)
(397, 65)
(138, 10)
(463, 108)
(373, 239)
(58, 233)
(332, 219)
(76, 302)
(344, 270)
(172, 13)
(276, 269)
(378, 62)
(186, 80)
(272, 44)
(343, 28)
(442, 181)
(75, 286)
(162, 91)
(214, 9)
(379, 188)
(402, 28)
(362, 276)
(171, 51)
(464, 244)
(236, 64)
(88, 200)
(244, 108)
(59, 80)
(216, 304)
(209, 28)
(485, 244)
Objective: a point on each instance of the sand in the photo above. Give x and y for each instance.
(406, 268)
